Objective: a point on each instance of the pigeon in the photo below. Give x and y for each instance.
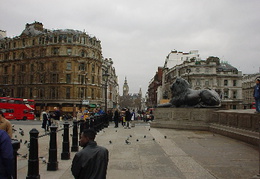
(153, 138)
(21, 140)
(24, 156)
(71, 135)
(25, 142)
(137, 140)
(14, 130)
(22, 133)
(20, 129)
(130, 135)
(127, 142)
(165, 136)
(43, 159)
(149, 129)
(110, 142)
(144, 136)
(116, 130)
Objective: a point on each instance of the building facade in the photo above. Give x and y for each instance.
(248, 83)
(207, 74)
(153, 89)
(60, 68)
(111, 84)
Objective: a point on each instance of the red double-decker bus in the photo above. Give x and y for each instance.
(17, 108)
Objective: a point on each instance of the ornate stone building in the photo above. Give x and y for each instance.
(211, 74)
(55, 67)
(112, 85)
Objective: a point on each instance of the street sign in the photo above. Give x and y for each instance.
(85, 102)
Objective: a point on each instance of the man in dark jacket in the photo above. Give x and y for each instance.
(128, 117)
(6, 156)
(257, 95)
(91, 162)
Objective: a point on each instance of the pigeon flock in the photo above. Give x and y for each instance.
(127, 141)
(19, 133)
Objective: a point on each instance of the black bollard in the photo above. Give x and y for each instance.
(52, 165)
(106, 121)
(75, 146)
(96, 123)
(91, 122)
(33, 162)
(65, 155)
(16, 147)
(81, 126)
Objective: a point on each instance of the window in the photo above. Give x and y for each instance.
(226, 94)
(92, 94)
(23, 41)
(22, 67)
(55, 51)
(6, 69)
(69, 39)
(234, 82)
(68, 67)
(93, 68)
(31, 79)
(54, 78)
(198, 82)
(68, 78)
(69, 51)
(53, 93)
(81, 79)
(31, 92)
(55, 39)
(41, 78)
(41, 93)
(83, 53)
(225, 82)
(40, 66)
(32, 67)
(234, 94)
(82, 66)
(93, 80)
(54, 66)
(13, 79)
(67, 93)
(5, 80)
(32, 53)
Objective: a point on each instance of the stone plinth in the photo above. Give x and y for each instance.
(183, 118)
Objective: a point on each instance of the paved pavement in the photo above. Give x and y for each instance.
(154, 153)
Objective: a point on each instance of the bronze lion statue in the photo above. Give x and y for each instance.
(184, 96)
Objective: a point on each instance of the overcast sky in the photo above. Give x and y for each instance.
(139, 34)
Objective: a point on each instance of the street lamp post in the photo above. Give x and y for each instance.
(105, 76)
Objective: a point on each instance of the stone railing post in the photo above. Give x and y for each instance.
(52, 165)
(33, 162)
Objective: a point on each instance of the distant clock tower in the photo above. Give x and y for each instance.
(125, 88)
